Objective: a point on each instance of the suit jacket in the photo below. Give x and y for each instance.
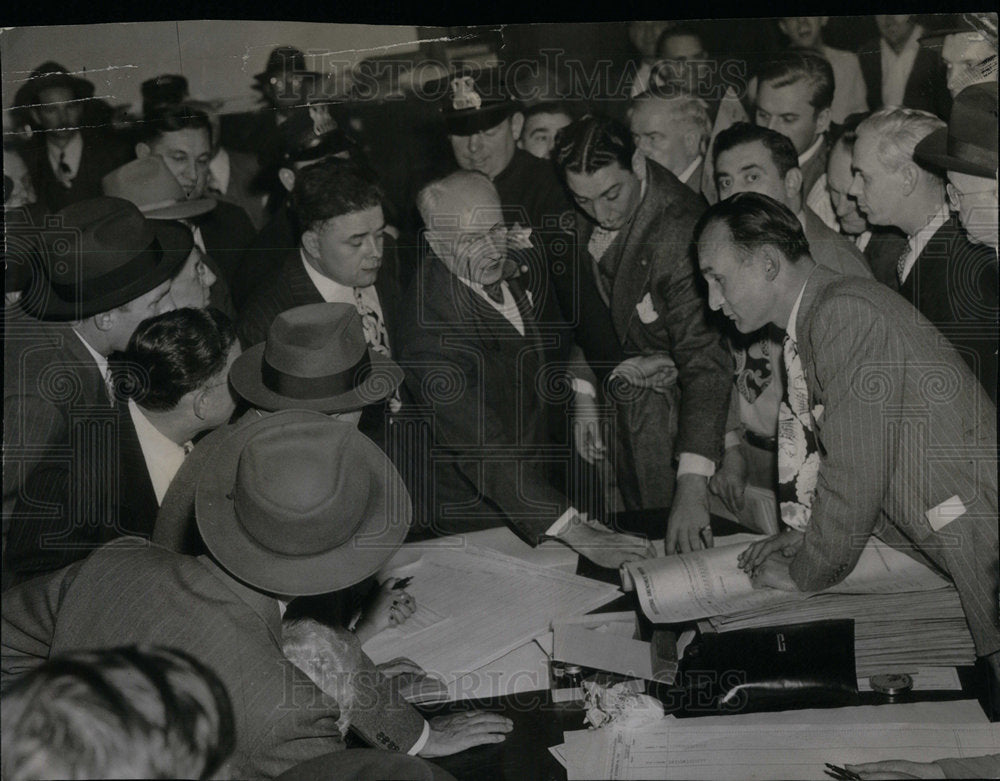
(954, 285)
(831, 249)
(103, 152)
(926, 88)
(55, 405)
(657, 306)
(815, 166)
(883, 251)
(266, 253)
(60, 518)
(132, 592)
(227, 232)
(242, 189)
(483, 384)
(902, 429)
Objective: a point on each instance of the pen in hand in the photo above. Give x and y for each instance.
(402, 583)
(841, 773)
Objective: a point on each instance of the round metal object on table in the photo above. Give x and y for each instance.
(891, 684)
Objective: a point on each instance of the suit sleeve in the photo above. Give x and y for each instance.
(28, 622)
(28, 421)
(858, 383)
(704, 365)
(517, 486)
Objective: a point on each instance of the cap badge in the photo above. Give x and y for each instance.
(464, 94)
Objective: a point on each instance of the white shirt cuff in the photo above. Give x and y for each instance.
(733, 438)
(419, 745)
(561, 523)
(693, 464)
(583, 386)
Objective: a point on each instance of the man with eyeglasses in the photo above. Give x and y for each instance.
(472, 351)
(952, 281)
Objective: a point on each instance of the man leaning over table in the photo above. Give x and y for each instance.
(292, 504)
(882, 429)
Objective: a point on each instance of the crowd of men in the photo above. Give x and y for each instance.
(241, 368)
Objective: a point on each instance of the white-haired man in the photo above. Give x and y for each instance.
(673, 131)
(949, 279)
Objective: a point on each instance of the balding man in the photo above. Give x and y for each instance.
(472, 353)
(673, 131)
(950, 280)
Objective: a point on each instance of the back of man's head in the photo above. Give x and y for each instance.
(172, 354)
(779, 146)
(591, 143)
(332, 188)
(791, 66)
(130, 712)
(755, 220)
(898, 131)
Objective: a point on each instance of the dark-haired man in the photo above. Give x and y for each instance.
(636, 228)
(181, 136)
(853, 458)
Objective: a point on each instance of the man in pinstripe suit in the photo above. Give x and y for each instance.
(905, 435)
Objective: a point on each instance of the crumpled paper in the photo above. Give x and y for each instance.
(619, 705)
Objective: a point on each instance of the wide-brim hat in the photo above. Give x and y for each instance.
(315, 358)
(284, 59)
(148, 183)
(47, 75)
(969, 144)
(472, 100)
(310, 133)
(101, 253)
(298, 504)
(984, 24)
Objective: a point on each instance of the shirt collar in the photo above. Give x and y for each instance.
(808, 155)
(162, 455)
(687, 172)
(100, 360)
(328, 289)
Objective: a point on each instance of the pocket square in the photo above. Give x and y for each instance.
(646, 311)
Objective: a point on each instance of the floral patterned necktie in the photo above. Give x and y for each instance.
(376, 337)
(798, 452)
(753, 367)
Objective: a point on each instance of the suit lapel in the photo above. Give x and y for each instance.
(135, 485)
(814, 288)
(302, 289)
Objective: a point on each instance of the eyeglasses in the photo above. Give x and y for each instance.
(477, 241)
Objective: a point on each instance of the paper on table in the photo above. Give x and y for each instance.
(559, 752)
(925, 679)
(675, 749)
(602, 651)
(549, 554)
(709, 582)
(491, 604)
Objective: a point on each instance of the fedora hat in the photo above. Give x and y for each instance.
(284, 59)
(969, 144)
(47, 75)
(101, 253)
(148, 183)
(297, 504)
(315, 358)
(310, 134)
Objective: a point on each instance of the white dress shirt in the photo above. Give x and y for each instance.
(919, 240)
(687, 172)
(162, 455)
(102, 366)
(70, 154)
(507, 308)
(896, 67)
(333, 292)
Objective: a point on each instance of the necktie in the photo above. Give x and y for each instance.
(494, 291)
(753, 367)
(375, 333)
(798, 454)
(65, 172)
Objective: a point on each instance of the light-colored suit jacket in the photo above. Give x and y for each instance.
(132, 592)
(908, 444)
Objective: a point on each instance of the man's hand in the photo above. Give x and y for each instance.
(730, 480)
(787, 543)
(656, 371)
(390, 607)
(774, 573)
(688, 527)
(897, 768)
(604, 547)
(587, 435)
(459, 731)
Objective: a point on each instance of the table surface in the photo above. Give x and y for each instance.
(539, 722)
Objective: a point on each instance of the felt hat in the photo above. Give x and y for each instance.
(297, 503)
(310, 134)
(171, 89)
(473, 100)
(281, 60)
(969, 144)
(47, 75)
(101, 253)
(315, 358)
(148, 183)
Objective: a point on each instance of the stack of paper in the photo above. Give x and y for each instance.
(475, 605)
(892, 632)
